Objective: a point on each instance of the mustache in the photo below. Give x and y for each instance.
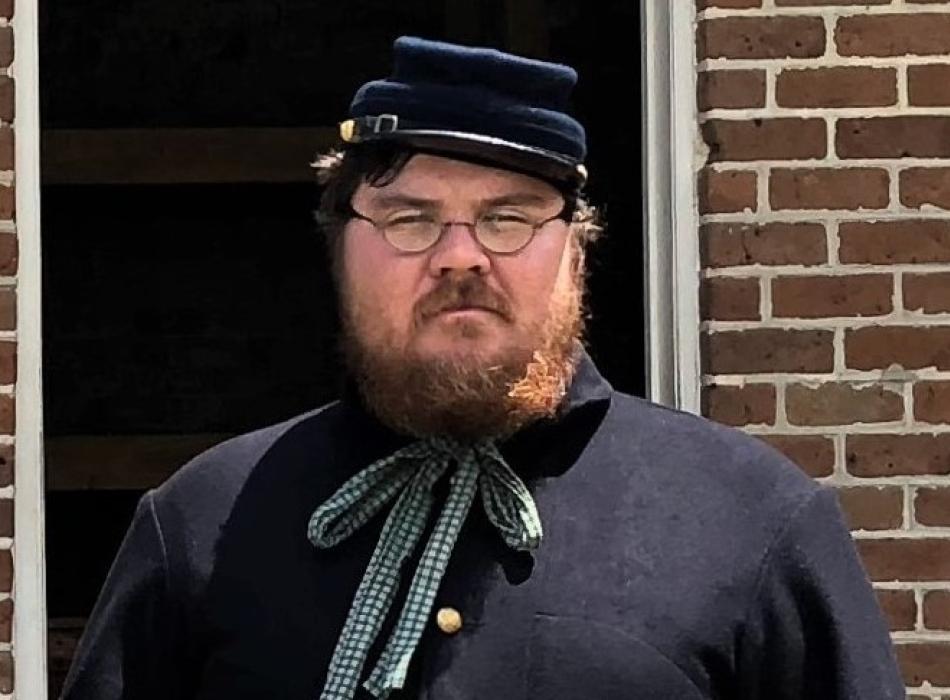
(453, 294)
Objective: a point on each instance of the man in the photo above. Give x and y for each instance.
(481, 515)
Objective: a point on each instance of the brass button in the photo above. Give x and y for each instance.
(449, 620)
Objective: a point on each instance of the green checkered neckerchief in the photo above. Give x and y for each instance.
(411, 473)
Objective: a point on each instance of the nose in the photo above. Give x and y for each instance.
(458, 250)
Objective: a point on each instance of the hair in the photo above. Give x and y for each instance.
(341, 171)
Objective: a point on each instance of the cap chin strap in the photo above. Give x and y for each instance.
(549, 165)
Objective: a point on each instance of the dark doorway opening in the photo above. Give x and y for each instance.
(185, 291)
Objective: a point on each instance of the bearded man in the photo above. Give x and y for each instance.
(481, 515)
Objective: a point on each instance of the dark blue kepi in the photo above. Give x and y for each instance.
(477, 103)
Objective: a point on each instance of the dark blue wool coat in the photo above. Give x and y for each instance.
(681, 560)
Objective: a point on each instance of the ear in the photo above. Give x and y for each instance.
(577, 251)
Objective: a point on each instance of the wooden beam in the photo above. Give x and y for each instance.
(80, 462)
(181, 156)
(62, 640)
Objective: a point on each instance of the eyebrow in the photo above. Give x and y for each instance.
(405, 200)
(517, 199)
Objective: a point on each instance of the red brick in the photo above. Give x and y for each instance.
(937, 610)
(899, 607)
(898, 455)
(894, 137)
(891, 242)
(924, 662)
(8, 251)
(814, 454)
(820, 297)
(730, 89)
(727, 191)
(761, 37)
(929, 86)
(926, 559)
(6, 517)
(7, 308)
(873, 507)
(6, 46)
(6, 98)
(7, 414)
(6, 672)
(841, 403)
(932, 402)
(927, 293)
(920, 186)
(730, 299)
(879, 347)
(6, 571)
(6, 620)
(845, 86)
(765, 139)
(6, 465)
(932, 507)
(751, 404)
(768, 350)
(731, 4)
(893, 35)
(829, 188)
(6, 148)
(7, 203)
(822, 3)
(728, 244)
(7, 362)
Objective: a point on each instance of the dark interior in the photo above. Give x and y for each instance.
(184, 309)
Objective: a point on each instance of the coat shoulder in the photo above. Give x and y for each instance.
(700, 459)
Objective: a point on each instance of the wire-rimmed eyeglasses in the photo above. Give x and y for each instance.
(496, 232)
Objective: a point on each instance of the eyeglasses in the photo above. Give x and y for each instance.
(499, 233)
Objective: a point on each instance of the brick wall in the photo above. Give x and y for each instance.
(825, 241)
(8, 270)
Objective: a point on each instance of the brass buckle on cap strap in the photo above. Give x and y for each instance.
(351, 130)
(384, 123)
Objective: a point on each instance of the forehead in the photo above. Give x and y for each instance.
(440, 178)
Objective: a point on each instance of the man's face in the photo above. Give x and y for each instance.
(455, 301)
(455, 339)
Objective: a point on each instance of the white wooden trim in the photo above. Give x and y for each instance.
(670, 214)
(29, 610)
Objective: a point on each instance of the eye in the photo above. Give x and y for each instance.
(506, 217)
(408, 218)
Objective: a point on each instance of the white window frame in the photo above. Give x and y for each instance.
(671, 223)
(29, 584)
(671, 282)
